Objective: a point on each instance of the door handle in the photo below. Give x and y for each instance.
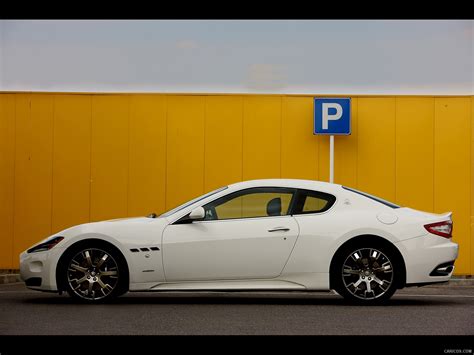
(279, 229)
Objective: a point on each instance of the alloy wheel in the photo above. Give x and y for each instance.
(367, 273)
(93, 274)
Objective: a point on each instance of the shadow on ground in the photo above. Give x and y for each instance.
(167, 299)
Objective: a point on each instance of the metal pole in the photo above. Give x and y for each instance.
(331, 159)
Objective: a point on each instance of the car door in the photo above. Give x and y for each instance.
(245, 234)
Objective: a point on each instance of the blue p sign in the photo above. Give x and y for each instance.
(332, 116)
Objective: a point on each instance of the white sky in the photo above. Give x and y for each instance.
(268, 56)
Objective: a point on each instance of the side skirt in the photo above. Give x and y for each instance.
(228, 285)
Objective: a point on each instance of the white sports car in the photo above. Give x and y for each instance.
(276, 234)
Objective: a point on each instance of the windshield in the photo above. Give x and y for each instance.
(372, 197)
(189, 203)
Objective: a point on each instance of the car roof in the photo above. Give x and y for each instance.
(295, 183)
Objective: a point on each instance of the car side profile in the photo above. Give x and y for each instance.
(275, 234)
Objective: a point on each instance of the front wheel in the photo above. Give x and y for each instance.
(365, 274)
(94, 273)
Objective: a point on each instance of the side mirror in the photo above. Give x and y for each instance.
(197, 213)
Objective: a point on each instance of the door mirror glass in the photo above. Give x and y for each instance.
(197, 213)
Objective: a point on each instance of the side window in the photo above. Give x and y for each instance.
(309, 201)
(250, 203)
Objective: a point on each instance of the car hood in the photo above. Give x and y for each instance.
(131, 220)
(122, 228)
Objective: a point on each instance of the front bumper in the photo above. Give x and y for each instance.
(38, 270)
(423, 255)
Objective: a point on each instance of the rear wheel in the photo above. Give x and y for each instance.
(366, 274)
(94, 273)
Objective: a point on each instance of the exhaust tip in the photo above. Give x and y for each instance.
(444, 269)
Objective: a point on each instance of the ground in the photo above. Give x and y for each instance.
(430, 310)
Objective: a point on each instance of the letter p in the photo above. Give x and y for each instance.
(330, 117)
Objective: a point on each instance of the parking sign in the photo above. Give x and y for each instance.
(332, 116)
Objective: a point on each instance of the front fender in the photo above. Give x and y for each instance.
(144, 265)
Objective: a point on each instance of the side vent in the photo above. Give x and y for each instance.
(135, 250)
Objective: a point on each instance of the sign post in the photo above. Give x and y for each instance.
(331, 158)
(332, 116)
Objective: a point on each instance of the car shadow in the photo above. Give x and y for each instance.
(136, 298)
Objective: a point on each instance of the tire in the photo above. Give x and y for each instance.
(93, 272)
(366, 273)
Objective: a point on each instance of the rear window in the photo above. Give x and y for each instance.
(372, 197)
(309, 201)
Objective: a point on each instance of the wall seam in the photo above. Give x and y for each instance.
(395, 149)
(281, 134)
(128, 158)
(242, 151)
(90, 157)
(166, 152)
(52, 160)
(434, 154)
(243, 132)
(242, 139)
(470, 185)
(204, 146)
(433, 165)
(357, 145)
(14, 96)
(165, 98)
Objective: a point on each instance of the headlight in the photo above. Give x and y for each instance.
(45, 245)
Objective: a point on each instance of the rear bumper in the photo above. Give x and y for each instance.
(427, 259)
(38, 270)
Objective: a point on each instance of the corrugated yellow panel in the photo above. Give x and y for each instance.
(33, 170)
(262, 137)
(185, 149)
(452, 181)
(7, 178)
(345, 152)
(299, 147)
(376, 146)
(109, 160)
(223, 141)
(472, 186)
(71, 161)
(146, 192)
(215, 140)
(23, 178)
(414, 152)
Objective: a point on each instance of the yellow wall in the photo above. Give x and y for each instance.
(67, 159)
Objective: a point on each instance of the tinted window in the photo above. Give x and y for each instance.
(250, 203)
(372, 197)
(309, 201)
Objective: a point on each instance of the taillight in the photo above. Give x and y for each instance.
(443, 229)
